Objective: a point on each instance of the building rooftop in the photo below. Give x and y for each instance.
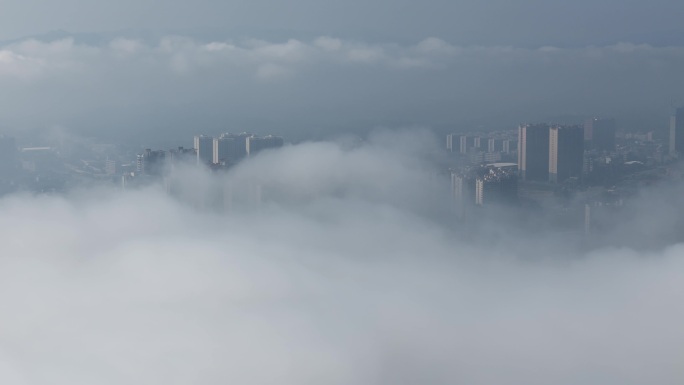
(502, 165)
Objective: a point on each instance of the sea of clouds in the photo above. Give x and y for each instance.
(348, 278)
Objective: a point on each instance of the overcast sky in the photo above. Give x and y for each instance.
(143, 72)
(520, 22)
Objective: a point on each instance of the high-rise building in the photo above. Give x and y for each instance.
(566, 152)
(466, 143)
(479, 191)
(151, 162)
(497, 184)
(457, 191)
(677, 131)
(204, 148)
(111, 166)
(477, 142)
(494, 145)
(462, 190)
(255, 144)
(533, 152)
(180, 155)
(230, 148)
(599, 134)
(450, 142)
(510, 146)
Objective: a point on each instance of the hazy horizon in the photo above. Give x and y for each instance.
(160, 87)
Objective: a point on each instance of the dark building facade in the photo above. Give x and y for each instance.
(510, 146)
(151, 163)
(566, 153)
(496, 185)
(255, 144)
(204, 149)
(466, 143)
(599, 134)
(230, 148)
(494, 145)
(677, 131)
(180, 155)
(463, 192)
(533, 152)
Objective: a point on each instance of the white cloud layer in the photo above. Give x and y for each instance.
(131, 88)
(182, 54)
(104, 287)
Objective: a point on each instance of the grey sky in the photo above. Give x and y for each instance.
(173, 87)
(209, 66)
(522, 22)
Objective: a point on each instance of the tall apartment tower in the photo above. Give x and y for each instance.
(111, 166)
(498, 184)
(477, 142)
(510, 146)
(219, 149)
(466, 143)
(204, 147)
(230, 148)
(495, 145)
(151, 162)
(533, 152)
(459, 191)
(254, 144)
(677, 131)
(450, 142)
(566, 152)
(599, 134)
(479, 191)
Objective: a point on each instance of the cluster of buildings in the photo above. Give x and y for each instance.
(576, 177)
(217, 152)
(550, 153)
(481, 148)
(487, 184)
(228, 149)
(546, 153)
(592, 163)
(63, 165)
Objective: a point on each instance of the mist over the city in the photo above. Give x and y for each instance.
(341, 193)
